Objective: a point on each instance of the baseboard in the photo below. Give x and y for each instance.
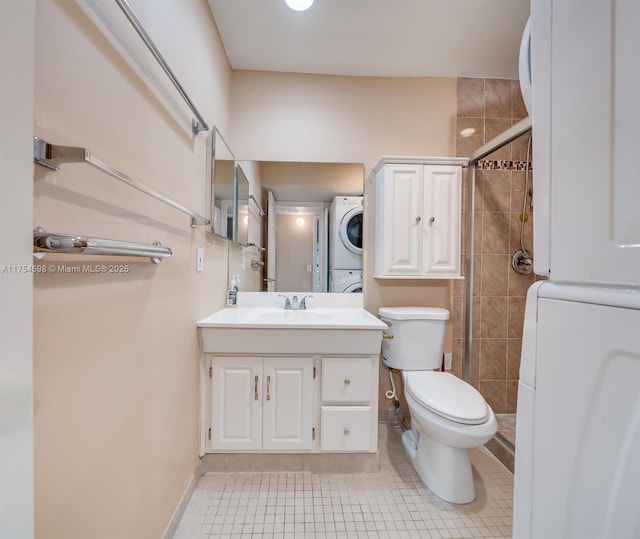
(170, 531)
(290, 462)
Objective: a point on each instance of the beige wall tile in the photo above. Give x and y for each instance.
(465, 145)
(493, 359)
(470, 97)
(518, 110)
(496, 193)
(516, 316)
(495, 393)
(512, 397)
(494, 317)
(519, 283)
(495, 233)
(520, 148)
(494, 280)
(514, 350)
(497, 98)
(492, 128)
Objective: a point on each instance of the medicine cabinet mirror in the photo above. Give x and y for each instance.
(303, 229)
(241, 213)
(222, 188)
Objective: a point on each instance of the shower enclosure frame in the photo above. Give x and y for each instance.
(504, 138)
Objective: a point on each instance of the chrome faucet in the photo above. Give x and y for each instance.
(294, 304)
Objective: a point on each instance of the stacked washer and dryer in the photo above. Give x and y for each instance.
(345, 244)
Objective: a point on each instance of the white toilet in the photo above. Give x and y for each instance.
(448, 416)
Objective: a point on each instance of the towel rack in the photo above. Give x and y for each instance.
(196, 125)
(52, 156)
(258, 247)
(45, 242)
(260, 210)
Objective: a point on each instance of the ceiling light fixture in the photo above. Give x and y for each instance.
(467, 132)
(299, 5)
(300, 221)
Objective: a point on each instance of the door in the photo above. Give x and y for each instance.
(271, 242)
(441, 239)
(236, 403)
(399, 221)
(287, 404)
(351, 230)
(586, 423)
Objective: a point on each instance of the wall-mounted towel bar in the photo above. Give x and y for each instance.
(256, 246)
(256, 263)
(45, 242)
(52, 156)
(260, 210)
(198, 124)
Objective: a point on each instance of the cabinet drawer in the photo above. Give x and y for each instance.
(345, 428)
(346, 379)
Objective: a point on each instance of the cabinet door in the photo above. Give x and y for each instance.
(236, 403)
(441, 219)
(399, 221)
(287, 403)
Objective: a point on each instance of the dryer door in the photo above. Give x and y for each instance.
(351, 230)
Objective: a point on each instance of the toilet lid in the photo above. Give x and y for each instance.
(448, 396)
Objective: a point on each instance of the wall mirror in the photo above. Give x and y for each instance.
(222, 188)
(241, 211)
(314, 226)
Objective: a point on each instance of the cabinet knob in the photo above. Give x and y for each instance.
(347, 381)
(418, 219)
(432, 220)
(347, 432)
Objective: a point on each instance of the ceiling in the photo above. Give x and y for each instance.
(388, 38)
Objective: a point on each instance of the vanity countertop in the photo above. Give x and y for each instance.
(315, 318)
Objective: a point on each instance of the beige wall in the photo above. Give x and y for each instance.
(293, 117)
(17, 21)
(116, 357)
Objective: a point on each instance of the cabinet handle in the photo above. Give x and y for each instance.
(347, 432)
(255, 389)
(432, 220)
(418, 219)
(268, 393)
(347, 381)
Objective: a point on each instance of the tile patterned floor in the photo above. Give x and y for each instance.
(391, 504)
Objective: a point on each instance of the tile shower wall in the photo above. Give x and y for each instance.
(489, 106)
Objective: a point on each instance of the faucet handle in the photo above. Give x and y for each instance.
(287, 301)
(303, 302)
(295, 302)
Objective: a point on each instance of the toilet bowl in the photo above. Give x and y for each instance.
(448, 416)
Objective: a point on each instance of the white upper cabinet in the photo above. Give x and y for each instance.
(418, 220)
(586, 83)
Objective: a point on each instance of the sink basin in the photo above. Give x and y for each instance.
(292, 317)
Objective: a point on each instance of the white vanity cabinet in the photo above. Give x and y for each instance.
(261, 403)
(285, 381)
(418, 218)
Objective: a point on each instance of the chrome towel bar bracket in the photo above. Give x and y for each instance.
(52, 156)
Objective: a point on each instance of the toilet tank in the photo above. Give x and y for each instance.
(415, 340)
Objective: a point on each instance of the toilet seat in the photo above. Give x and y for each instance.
(447, 396)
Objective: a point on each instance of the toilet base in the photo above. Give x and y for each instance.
(445, 470)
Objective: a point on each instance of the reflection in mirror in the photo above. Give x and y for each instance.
(222, 188)
(314, 226)
(241, 232)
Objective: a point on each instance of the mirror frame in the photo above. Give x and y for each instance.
(217, 141)
(240, 203)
